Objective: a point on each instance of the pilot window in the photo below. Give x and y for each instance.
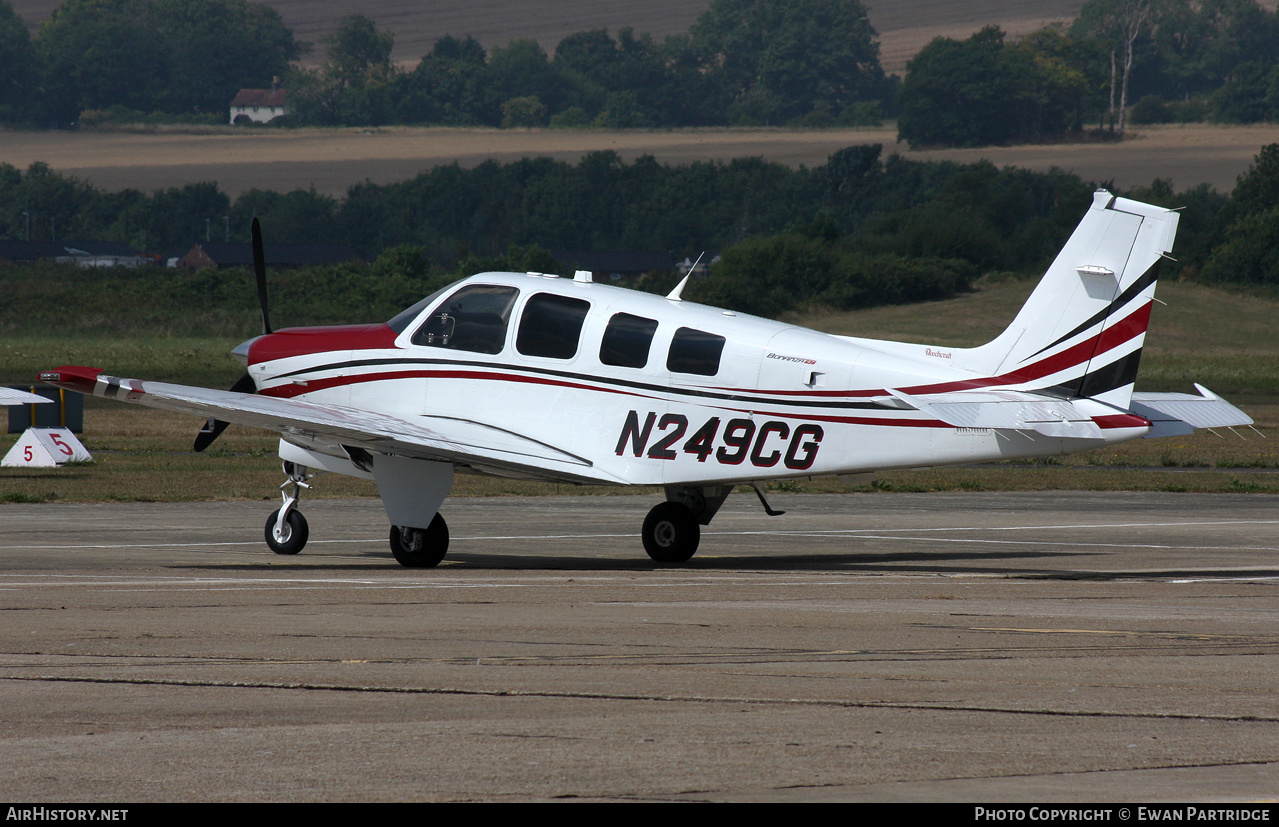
(473, 319)
(626, 341)
(551, 326)
(695, 351)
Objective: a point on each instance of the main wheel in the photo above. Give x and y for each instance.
(420, 548)
(293, 536)
(671, 533)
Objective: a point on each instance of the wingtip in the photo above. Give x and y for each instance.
(72, 377)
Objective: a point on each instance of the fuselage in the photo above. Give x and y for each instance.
(650, 390)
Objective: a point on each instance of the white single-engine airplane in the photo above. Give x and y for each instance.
(539, 377)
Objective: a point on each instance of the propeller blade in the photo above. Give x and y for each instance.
(214, 427)
(259, 269)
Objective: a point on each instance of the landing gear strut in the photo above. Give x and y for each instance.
(286, 529)
(420, 548)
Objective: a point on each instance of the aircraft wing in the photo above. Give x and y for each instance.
(460, 441)
(1173, 414)
(10, 396)
(1011, 410)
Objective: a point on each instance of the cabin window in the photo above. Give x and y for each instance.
(695, 351)
(551, 326)
(626, 341)
(473, 319)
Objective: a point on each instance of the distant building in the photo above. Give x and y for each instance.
(259, 105)
(81, 253)
(217, 254)
(698, 267)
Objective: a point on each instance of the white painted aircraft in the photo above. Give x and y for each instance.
(538, 377)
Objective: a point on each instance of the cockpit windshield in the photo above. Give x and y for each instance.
(401, 321)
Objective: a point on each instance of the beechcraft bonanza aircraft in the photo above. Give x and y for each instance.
(538, 377)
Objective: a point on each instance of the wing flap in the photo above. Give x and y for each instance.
(437, 438)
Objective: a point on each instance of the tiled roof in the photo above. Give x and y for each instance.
(260, 97)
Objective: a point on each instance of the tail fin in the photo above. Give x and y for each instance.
(1081, 331)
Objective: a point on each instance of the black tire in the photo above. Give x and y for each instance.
(671, 533)
(295, 529)
(420, 548)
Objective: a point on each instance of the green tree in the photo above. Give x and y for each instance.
(217, 47)
(18, 72)
(983, 91)
(524, 111)
(1201, 43)
(788, 59)
(98, 53)
(451, 85)
(1245, 96)
(1120, 24)
(522, 69)
(957, 93)
(356, 48)
(176, 56)
(358, 85)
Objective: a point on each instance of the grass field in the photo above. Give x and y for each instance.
(331, 160)
(1223, 340)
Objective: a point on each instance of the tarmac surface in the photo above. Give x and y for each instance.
(975, 647)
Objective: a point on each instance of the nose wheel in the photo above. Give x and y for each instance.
(286, 536)
(286, 529)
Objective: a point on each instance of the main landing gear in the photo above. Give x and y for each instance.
(286, 529)
(672, 530)
(671, 533)
(420, 548)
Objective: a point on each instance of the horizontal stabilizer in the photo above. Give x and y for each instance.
(1009, 410)
(1174, 414)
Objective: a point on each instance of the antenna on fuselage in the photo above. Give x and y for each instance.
(674, 295)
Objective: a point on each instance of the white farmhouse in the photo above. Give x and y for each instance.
(259, 105)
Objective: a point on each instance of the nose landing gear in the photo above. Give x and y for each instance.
(286, 529)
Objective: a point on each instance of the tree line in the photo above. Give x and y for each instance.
(742, 62)
(857, 231)
(1157, 61)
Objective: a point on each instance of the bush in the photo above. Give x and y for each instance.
(526, 111)
(574, 117)
(1151, 109)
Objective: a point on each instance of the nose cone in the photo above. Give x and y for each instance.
(241, 351)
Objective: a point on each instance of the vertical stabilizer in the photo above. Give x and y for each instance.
(1081, 331)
